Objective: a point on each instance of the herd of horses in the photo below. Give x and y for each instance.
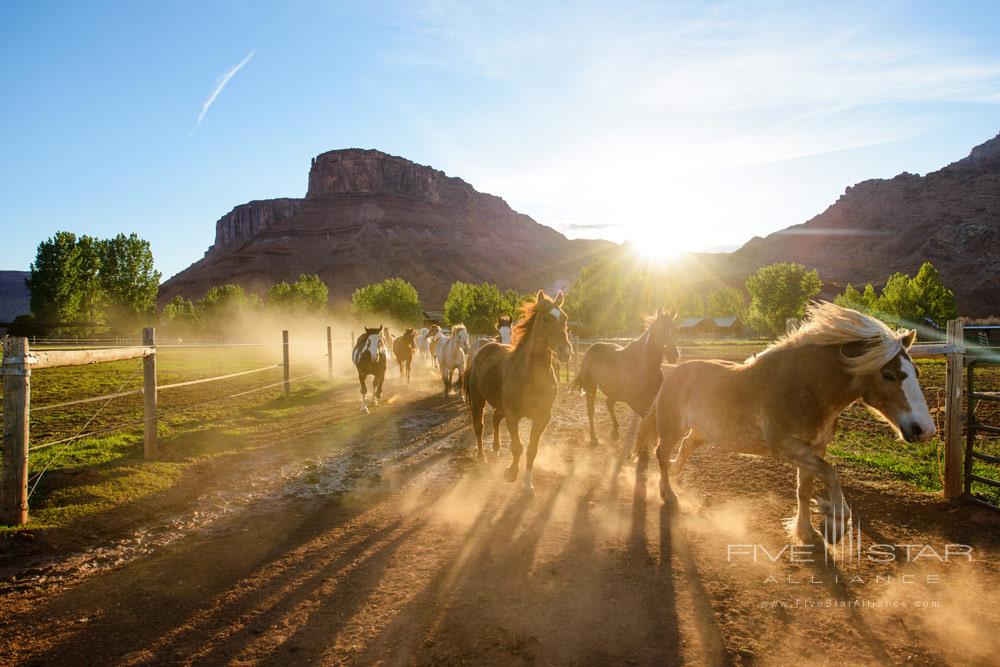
(783, 402)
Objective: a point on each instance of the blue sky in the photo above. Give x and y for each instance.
(680, 125)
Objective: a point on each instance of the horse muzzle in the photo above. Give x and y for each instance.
(913, 431)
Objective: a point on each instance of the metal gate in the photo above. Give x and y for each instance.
(972, 427)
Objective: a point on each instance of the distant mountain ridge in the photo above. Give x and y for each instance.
(15, 299)
(950, 217)
(367, 216)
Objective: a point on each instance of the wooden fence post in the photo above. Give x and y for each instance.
(954, 457)
(329, 352)
(16, 406)
(150, 444)
(284, 361)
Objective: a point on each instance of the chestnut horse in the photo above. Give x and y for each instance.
(630, 374)
(786, 401)
(403, 349)
(518, 380)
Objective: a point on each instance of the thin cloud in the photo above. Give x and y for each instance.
(219, 85)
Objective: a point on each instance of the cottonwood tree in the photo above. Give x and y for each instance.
(307, 295)
(479, 306)
(778, 292)
(393, 297)
(128, 280)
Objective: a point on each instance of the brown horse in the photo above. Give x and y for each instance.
(786, 402)
(518, 380)
(403, 349)
(630, 374)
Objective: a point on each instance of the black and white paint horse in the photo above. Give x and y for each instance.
(370, 358)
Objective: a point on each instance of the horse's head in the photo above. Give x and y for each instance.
(462, 334)
(410, 335)
(663, 334)
(894, 392)
(373, 342)
(550, 325)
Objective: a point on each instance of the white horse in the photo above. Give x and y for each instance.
(424, 343)
(451, 353)
(504, 329)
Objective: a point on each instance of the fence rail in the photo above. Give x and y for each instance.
(19, 360)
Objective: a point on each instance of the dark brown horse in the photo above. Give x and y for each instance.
(629, 374)
(403, 349)
(518, 380)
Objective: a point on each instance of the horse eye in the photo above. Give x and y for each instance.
(886, 375)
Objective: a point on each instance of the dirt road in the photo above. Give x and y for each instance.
(340, 539)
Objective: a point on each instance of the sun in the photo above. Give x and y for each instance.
(660, 244)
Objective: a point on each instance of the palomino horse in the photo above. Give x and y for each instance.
(451, 352)
(630, 374)
(518, 380)
(786, 401)
(369, 357)
(403, 348)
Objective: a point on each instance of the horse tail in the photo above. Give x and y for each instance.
(465, 385)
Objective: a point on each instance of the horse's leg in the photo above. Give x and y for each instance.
(610, 403)
(446, 378)
(800, 527)
(364, 390)
(836, 511)
(591, 391)
(669, 432)
(515, 448)
(478, 407)
(377, 385)
(497, 418)
(537, 428)
(688, 445)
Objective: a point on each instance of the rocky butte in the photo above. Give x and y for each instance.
(368, 216)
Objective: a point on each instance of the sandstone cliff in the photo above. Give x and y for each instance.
(368, 216)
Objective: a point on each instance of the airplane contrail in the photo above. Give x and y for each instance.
(219, 85)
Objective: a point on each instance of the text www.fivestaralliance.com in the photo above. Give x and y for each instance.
(857, 603)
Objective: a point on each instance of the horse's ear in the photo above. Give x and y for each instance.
(908, 338)
(559, 299)
(539, 296)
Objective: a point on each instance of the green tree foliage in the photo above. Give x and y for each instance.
(862, 301)
(55, 294)
(778, 292)
(725, 302)
(611, 295)
(128, 280)
(223, 307)
(905, 301)
(393, 297)
(94, 280)
(479, 306)
(179, 316)
(307, 295)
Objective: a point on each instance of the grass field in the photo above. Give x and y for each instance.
(86, 475)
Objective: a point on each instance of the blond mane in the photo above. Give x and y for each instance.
(830, 324)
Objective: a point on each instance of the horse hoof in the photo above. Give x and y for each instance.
(365, 411)
(615, 435)
(594, 442)
(510, 475)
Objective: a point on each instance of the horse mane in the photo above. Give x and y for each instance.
(455, 329)
(520, 331)
(830, 324)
